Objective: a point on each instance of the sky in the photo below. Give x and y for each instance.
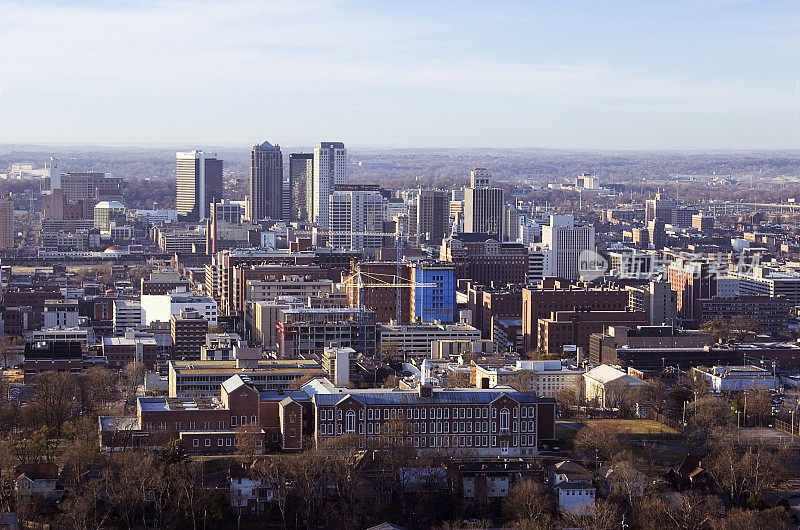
(595, 74)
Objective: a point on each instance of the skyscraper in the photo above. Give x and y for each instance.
(301, 184)
(431, 216)
(356, 208)
(266, 182)
(566, 242)
(199, 183)
(330, 169)
(6, 224)
(484, 207)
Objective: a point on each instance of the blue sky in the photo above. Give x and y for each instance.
(640, 74)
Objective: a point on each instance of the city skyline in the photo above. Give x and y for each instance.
(718, 75)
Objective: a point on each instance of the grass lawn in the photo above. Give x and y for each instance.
(564, 437)
(635, 427)
(656, 446)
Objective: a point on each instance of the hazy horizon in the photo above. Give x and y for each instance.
(722, 74)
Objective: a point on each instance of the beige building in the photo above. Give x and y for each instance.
(299, 286)
(203, 378)
(6, 224)
(484, 207)
(415, 341)
(546, 378)
(605, 385)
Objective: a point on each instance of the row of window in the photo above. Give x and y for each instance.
(243, 420)
(437, 413)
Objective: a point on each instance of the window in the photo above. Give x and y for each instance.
(504, 419)
(351, 421)
(360, 428)
(254, 420)
(220, 441)
(244, 420)
(208, 442)
(196, 442)
(292, 433)
(233, 421)
(385, 414)
(228, 442)
(338, 415)
(524, 412)
(369, 414)
(369, 428)
(361, 414)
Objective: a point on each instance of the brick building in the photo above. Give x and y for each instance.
(381, 300)
(485, 260)
(564, 328)
(771, 313)
(188, 331)
(495, 422)
(488, 303)
(538, 303)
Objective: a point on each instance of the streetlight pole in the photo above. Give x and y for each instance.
(738, 423)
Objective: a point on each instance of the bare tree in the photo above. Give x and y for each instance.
(567, 399)
(601, 442)
(528, 505)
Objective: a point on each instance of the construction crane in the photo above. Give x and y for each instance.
(356, 279)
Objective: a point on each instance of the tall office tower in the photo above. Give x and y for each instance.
(479, 178)
(484, 207)
(354, 210)
(659, 209)
(266, 182)
(84, 190)
(286, 203)
(199, 183)
(513, 218)
(301, 184)
(6, 224)
(430, 216)
(330, 169)
(567, 241)
(53, 172)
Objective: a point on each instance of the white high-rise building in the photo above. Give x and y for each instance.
(355, 210)
(484, 207)
(566, 242)
(540, 263)
(330, 169)
(199, 177)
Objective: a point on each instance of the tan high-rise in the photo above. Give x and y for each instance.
(6, 224)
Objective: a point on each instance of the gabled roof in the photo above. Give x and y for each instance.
(606, 374)
(234, 382)
(568, 466)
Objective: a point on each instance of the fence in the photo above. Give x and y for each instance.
(787, 426)
(669, 422)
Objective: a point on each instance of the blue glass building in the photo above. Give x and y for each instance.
(437, 301)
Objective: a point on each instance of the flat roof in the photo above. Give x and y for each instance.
(163, 404)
